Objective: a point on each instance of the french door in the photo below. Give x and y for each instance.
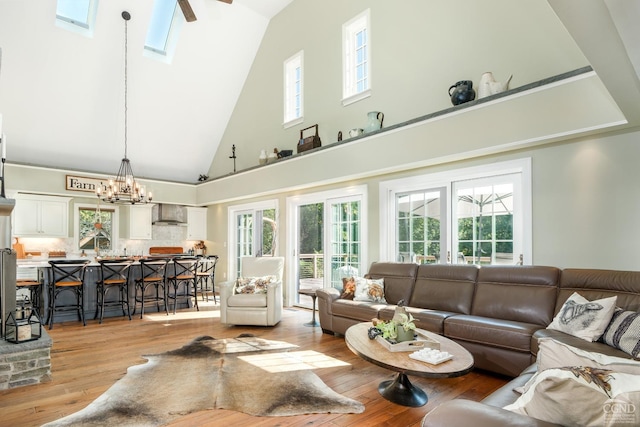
(326, 237)
(253, 231)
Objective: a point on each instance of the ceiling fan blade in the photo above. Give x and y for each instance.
(226, 1)
(187, 11)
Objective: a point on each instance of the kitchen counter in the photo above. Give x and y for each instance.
(38, 268)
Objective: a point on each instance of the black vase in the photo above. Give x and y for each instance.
(462, 92)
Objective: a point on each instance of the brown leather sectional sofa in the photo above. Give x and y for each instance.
(497, 312)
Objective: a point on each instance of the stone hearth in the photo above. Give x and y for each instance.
(25, 363)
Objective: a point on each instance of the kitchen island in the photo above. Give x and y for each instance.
(39, 269)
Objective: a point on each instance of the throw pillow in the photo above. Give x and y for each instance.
(623, 332)
(369, 290)
(348, 288)
(253, 285)
(555, 354)
(583, 318)
(581, 396)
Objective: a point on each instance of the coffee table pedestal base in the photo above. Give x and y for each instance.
(402, 392)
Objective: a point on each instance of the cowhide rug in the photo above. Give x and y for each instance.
(209, 374)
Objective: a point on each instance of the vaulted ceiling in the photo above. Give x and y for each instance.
(62, 94)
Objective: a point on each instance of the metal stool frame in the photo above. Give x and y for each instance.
(206, 270)
(114, 274)
(66, 276)
(184, 273)
(153, 272)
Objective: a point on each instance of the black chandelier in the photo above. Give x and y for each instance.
(124, 188)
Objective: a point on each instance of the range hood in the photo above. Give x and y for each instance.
(166, 214)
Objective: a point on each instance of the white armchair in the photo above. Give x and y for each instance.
(262, 309)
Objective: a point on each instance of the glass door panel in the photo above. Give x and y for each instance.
(485, 222)
(310, 251)
(345, 241)
(420, 226)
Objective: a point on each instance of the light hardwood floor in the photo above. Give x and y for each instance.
(86, 361)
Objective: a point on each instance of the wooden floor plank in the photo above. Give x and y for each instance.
(86, 361)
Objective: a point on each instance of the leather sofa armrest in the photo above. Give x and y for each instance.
(463, 413)
(326, 296)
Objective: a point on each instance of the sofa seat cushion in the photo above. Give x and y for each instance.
(247, 300)
(357, 310)
(429, 320)
(494, 332)
(595, 347)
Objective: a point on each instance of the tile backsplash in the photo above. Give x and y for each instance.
(163, 235)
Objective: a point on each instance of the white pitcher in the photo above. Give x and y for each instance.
(489, 86)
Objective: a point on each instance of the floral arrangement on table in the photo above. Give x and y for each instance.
(399, 328)
(200, 247)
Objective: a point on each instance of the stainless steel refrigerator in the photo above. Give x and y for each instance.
(7, 263)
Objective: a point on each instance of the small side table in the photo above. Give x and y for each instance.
(310, 293)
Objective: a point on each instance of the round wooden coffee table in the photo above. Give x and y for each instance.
(400, 390)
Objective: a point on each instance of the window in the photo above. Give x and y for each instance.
(77, 15)
(90, 237)
(356, 52)
(479, 215)
(165, 25)
(253, 231)
(293, 90)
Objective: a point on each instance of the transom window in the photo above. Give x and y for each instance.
(293, 90)
(356, 50)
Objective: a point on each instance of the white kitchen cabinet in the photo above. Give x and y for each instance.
(196, 223)
(41, 216)
(140, 222)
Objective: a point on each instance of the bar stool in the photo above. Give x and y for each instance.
(152, 273)
(184, 277)
(34, 287)
(114, 274)
(66, 276)
(206, 271)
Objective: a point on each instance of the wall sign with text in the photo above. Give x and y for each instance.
(83, 183)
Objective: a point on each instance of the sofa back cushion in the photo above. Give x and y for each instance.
(520, 293)
(445, 287)
(597, 284)
(399, 278)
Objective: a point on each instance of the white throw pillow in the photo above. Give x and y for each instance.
(581, 396)
(371, 290)
(555, 354)
(583, 318)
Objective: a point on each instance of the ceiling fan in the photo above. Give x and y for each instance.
(188, 11)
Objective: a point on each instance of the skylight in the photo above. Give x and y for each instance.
(164, 24)
(77, 15)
